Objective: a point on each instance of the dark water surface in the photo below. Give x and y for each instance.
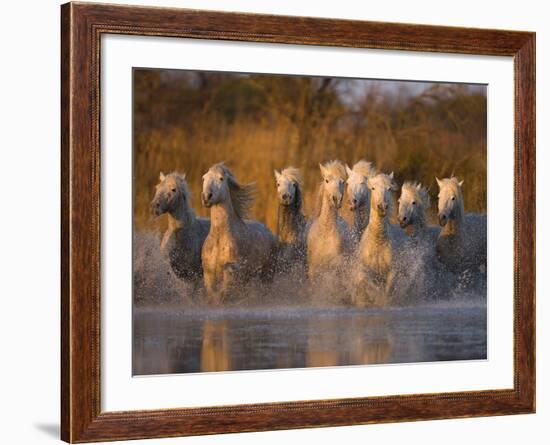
(177, 340)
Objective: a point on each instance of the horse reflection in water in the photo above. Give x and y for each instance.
(183, 341)
(215, 351)
(334, 345)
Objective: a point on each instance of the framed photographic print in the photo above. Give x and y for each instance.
(275, 222)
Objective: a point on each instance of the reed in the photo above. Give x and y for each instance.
(188, 121)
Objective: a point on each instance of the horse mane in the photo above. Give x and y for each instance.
(241, 195)
(422, 192)
(293, 174)
(336, 168)
(364, 168)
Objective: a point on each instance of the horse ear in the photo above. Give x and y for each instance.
(419, 186)
(461, 182)
(162, 177)
(323, 169)
(391, 175)
(394, 186)
(439, 181)
(277, 174)
(348, 170)
(184, 175)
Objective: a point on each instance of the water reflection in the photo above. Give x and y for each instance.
(181, 341)
(215, 351)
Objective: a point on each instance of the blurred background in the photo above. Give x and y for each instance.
(188, 120)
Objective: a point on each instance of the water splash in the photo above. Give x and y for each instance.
(291, 322)
(420, 280)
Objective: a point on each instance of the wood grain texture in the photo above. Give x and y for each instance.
(81, 28)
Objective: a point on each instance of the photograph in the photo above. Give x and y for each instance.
(291, 221)
(281, 219)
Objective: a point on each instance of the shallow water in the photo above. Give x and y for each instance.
(182, 340)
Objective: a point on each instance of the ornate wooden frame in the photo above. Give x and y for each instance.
(81, 28)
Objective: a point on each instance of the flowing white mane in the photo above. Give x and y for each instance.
(242, 195)
(364, 168)
(335, 168)
(293, 174)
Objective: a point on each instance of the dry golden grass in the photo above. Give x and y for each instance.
(436, 133)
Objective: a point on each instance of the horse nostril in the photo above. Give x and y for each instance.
(285, 196)
(209, 196)
(404, 218)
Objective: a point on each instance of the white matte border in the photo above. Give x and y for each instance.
(120, 391)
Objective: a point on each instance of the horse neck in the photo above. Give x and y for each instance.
(223, 216)
(182, 217)
(291, 221)
(378, 228)
(329, 214)
(418, 229)
(455, 226)
(361, 218)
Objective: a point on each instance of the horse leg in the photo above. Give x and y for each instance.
(366, 290)
(210, 287)
(389, 288)
(229, 279)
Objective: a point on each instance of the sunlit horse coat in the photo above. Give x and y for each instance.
(235, 249)
(182, 242)
(329, 238)
(291, 223)
(462, 242)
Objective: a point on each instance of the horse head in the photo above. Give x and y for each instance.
(381, 187)
(450, 204)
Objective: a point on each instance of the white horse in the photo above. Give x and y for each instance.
(291, 223)
(420, 275)
(462, 242)
(374, 274)
(329, 238)
(235, 249)
(182, 242)
(359, 195)
(414, 202)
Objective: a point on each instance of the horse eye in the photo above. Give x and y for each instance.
(414, 203)
(221, 178)
(174, 190)
(453, 198)
(372, 188)
(326, 180)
